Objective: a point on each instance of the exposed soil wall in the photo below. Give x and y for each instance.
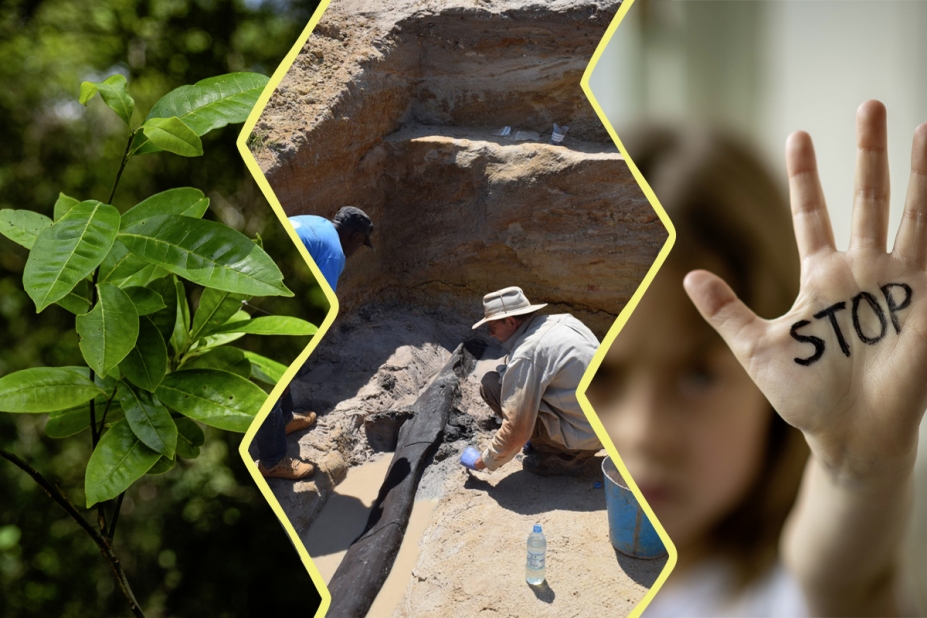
(393, 109)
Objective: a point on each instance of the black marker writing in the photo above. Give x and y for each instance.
(816, 341)
(894, 308)
(829, 312)
(877, 309)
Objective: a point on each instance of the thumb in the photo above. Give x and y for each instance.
(740, 328)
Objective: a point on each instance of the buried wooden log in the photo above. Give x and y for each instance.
(368, 561)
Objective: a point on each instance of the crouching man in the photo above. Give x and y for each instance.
(534, 391)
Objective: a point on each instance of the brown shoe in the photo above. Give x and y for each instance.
(300, 421)
(288, 468)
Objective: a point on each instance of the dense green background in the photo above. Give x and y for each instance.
(199, 540)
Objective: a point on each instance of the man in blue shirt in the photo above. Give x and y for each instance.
(330, 243)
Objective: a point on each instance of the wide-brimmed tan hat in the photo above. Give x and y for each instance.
(505, 303)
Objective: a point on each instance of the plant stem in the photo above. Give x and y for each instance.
(106, 410)
(94, 433)
(93, 418)
(112, 523)
(105, 548)
(122, 166)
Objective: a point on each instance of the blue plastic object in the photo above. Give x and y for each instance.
(468, 457)
(629, 529)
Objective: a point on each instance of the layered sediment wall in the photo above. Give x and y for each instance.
(394, 109)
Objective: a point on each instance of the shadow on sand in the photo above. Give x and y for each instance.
(643, 571)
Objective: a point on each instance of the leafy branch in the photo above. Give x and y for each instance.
(154, 367)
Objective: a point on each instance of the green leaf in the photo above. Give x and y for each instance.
(189, 438)
(109, 332)
(215, 308)
(185, 201)
(172, 135)
(22, 226)
(206, 105)
(207, 253)
(214, 341)
(64, 205)
(119, 460)
(120, 264)
(108, 381)
(114, 94)
(64, 423)
(162, 465)
(144, 277)
(225, 358)
(146, 301)
(217, 398)
(149, 420)
(180, 338)
(145, 365)
(269, 325)
(78, 300)
(69, 250)
(167, 317)
(45, 389)
(264, 369)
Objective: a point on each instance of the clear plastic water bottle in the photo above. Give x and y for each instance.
(535, 569)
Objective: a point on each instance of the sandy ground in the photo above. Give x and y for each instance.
(472, 554)
(464, 553)
(472, 560)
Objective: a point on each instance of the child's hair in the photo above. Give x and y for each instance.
(724, 205)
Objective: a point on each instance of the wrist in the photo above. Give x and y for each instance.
(863, 472)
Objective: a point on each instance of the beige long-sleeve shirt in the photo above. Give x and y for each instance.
(548, 355)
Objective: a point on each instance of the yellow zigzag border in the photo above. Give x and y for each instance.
(624, 315)
(290, 373)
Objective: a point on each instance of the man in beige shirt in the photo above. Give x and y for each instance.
(534, 392)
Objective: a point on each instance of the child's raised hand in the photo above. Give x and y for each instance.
(847, 365)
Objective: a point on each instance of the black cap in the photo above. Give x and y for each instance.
(357, 220)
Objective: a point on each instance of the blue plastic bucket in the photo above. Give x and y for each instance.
(629, 529)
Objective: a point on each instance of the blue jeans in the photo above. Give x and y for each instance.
(271, 437)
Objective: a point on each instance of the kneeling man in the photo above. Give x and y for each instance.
(534, 392)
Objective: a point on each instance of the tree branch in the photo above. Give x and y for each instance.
(105, 548)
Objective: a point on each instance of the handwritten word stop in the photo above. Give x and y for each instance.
(860, 304)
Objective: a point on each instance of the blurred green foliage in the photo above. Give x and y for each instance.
(200, 539)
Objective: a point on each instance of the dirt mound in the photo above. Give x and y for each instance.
(371, 363)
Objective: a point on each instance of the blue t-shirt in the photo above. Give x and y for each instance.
(321, 239)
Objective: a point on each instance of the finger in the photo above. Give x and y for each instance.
(871, 191)
(813, 232)
(740, 328)
(911, 242)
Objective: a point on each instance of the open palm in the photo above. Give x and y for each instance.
(847, 365)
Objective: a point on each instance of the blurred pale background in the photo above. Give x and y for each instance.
(765, 69)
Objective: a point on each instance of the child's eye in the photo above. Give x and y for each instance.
(696, 380)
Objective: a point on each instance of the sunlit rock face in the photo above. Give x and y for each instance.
(395, 109)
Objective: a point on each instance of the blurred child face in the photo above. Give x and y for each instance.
(686, 419)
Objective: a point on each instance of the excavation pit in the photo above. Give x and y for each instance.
(395, 109)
